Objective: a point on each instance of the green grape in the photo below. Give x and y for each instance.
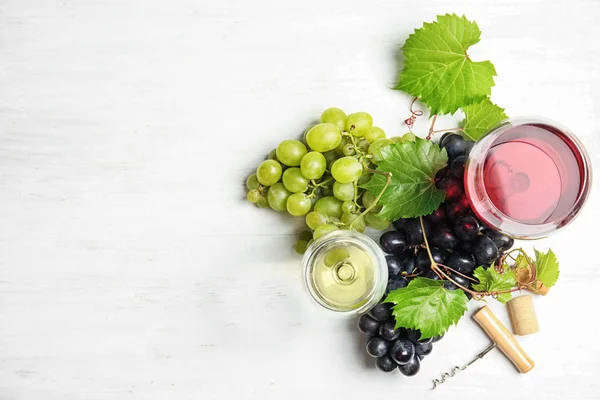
(252, 182)
(324, 137)
(339, 150)
(269, 172)
(329, 206)
(273, 155)
(313, 165)
(359, 123)
(306, 131)
(358, 222)
(364, 144)
(314, 219)
(346, 169)
(335, 256)
(376, 222)
(294, 181)
(300, 246)
(290, 152)
(327, 191)
(330, 157)
(343, 191)
(409, 137)
(396, 139)
(334, 116)
(348, 149)
(366, 177)
(262, 202)
(348, 207)
(305, 235)
(323, 230)
(298, 204)
(368, 199)
(253, 195)
(376, 147)
(374, 133)
(314, 199)
(277, 196)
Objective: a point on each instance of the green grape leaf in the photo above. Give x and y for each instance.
(411, 192)
(480, 118)
(546, 267)
(438, 70)
(491, 281)
(427, 306)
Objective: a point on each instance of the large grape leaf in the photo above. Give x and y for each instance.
(546, 267)
(480, 118)
(490, 281)
(438, 70)
(412, 190)
(427, 306)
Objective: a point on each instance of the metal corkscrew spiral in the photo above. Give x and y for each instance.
(446, 375)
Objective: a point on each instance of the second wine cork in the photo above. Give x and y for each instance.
(522, 315)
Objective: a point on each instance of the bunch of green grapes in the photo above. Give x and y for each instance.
(319, 178)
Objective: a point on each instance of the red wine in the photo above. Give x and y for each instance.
(527, 178)
(532, 174)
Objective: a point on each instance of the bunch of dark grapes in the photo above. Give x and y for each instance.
(393, 348)
(458, 242)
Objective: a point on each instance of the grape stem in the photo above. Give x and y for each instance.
(431, 131)
(388, 179)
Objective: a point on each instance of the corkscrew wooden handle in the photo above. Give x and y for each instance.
(505, 341)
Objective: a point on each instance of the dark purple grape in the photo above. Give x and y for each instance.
(423, 349)
(437, 338)
(396, 282)
(367, 325)
(461, 262)
(502, 242)
(394, 265)
(457, 167)
(452, 186)
(393, 242)
(377, 347)
(438, 217)
(455, 210)
(381, 312)
(414, 231)
(414, 335)
(470, 145)
(450, 286)
(388, 332)
(447, 136)
(442, 173)
(461, 280)
(423, 262)
(467, 247)
(466, 228)
(402, 351)
(443, 237)
(420, 357)
(399, 224)
(385, 363)
(432, 275)
(455, 146)
(407, 260)
(485, 251)
(411, 368)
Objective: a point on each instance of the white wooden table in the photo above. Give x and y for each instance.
(131, 266)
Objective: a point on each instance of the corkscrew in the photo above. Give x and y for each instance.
(501, 338)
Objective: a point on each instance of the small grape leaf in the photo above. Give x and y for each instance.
(546, 267)
(438, 70)
(427, 306)
(480, 118)
(412, 190)
(490, 281)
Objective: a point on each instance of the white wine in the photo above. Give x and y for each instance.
(345, 271)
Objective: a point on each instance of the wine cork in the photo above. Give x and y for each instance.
(505, 341)
(540, 288)
(522, 315)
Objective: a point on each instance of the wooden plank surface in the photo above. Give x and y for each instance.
(131, 266)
